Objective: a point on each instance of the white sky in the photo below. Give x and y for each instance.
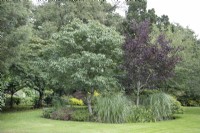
(184, 12)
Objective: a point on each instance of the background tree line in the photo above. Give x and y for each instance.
(65, 46)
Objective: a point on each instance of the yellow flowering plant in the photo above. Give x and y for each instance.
(75, 101)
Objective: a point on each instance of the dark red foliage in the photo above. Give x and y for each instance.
(146, 62)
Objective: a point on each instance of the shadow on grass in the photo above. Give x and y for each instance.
(17, 108)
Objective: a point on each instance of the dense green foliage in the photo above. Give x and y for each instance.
(67, 113)
(80, 115)
(185, 82)
(61, 53)
(87, 57)
(12, 30)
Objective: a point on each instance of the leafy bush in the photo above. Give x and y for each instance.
(58, 102)
(176, 106)
(161, 106)
(189, 99)
(75, 101)
(48, 100)
(48, 97)
(67, 113)
(47, 112)
(27, 101)
(193, 103)
(96, 94)
(62, 114)
(80, 115)
(16, 101)
(35, 101)
(112, 108)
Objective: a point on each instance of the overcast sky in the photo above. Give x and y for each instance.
(184, 12)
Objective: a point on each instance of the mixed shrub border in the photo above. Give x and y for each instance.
(117, 108)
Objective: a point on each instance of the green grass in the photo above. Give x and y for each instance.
(32, 122)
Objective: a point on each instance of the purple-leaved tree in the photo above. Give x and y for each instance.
(146, 63)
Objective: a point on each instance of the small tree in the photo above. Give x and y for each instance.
(147, 63)
(87, 56)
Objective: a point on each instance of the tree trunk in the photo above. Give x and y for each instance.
(41, 94)
(89, 103)
(138, 93)
(11, 100)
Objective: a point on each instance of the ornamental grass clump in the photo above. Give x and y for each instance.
(112, 108)
(161, 106)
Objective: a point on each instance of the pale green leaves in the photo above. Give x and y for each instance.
(88, 54)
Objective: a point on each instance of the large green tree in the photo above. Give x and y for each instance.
(14, 16)
(32, 54)
(86, 57)
(137, 11)
(14, 81)
(13, 21)
(51, 16)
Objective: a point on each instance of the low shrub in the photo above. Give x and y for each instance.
(37, 103)
(176, 106)
(27, 101)
(96, 94)
(16, 101)
(112, 108)
(189, 98)
(80, 115)
(48, 100)
(75, 101)
(62, 114)
(58, 102)
(194, 103)
(47, 112)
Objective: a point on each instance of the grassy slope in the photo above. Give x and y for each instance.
(32, 122)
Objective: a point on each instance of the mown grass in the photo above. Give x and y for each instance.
(32, 122)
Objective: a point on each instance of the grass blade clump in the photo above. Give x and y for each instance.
(112, 108)
(160, 105)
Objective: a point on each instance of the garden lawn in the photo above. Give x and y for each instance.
(32, 122)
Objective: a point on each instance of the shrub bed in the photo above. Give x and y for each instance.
(119, 109)
(66, 113)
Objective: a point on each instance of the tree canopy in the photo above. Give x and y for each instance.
(68, 46)
(147, 63)
(86, 56)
